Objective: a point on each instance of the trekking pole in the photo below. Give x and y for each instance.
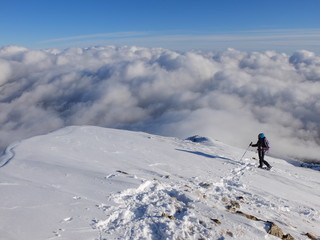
(246, 151)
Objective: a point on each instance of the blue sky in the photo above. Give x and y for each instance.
(281, 25)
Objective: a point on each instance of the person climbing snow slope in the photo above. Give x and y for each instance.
(263, 147)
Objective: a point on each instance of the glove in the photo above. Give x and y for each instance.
(250, 144)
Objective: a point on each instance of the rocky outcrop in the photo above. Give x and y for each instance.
(277, 231)
(311, 236)
(273, 229)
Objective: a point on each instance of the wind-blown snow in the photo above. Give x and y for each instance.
(230, 95)
(95, 183)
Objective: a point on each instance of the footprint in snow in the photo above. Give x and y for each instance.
(57, 232)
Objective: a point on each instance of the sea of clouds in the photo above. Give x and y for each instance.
(231, 96)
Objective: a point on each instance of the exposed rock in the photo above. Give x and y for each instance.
(311, 236)
(167, 215)
(216, 220)
(233, 206)
(251, 217)
(287, 237)
(275, 230)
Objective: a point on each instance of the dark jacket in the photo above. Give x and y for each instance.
(262, 144)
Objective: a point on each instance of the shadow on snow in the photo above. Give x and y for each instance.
(206, 155)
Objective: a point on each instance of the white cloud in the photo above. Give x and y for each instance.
(230, 96)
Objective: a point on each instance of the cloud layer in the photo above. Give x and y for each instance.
(230, 96)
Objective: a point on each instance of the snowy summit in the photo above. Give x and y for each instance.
(96, 183)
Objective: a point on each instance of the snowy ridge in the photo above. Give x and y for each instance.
(96, 183)
(8, 155)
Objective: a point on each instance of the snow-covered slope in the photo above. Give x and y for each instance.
(95, 183)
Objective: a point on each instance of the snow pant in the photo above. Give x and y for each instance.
(261, 159)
